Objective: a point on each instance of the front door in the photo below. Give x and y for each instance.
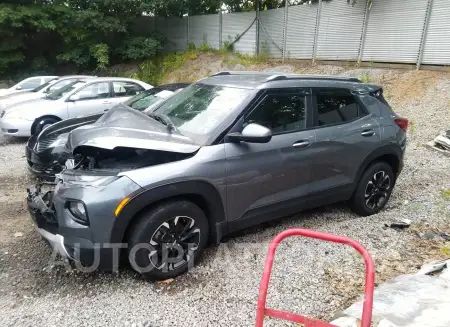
(262, 176)
(92, 99)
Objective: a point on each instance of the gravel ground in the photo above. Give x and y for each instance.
(312, 278)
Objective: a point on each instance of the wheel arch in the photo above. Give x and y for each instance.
(202, 193)
(391, 153)
(37, 120)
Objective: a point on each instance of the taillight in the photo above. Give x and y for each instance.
(402, 123)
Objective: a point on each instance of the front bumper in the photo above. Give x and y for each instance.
(16, 126)
(87, 244)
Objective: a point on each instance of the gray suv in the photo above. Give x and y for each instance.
(230, 151)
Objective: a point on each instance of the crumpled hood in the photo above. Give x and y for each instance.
(123, 126)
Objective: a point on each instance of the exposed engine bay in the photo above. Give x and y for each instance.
(122, 158)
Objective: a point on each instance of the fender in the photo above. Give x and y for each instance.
(211, 203)
(388, 149)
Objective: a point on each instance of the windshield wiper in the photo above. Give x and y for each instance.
(164, 119)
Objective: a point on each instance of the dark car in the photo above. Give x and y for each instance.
(46, 153)
(230, 151)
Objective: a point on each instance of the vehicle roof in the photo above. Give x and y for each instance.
(115, 79)
(173, 86)
(269, 80)
(74, 76)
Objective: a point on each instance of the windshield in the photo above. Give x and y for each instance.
(200, 108)
(148, 98)
(59, 93)
(43, 85)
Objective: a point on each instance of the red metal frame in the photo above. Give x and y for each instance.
(262, 311)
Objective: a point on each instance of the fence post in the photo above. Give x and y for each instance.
(187, 33)
(286, 11)
(424, 33)
(316, 35)
(364, 32)
(220, 29)
(257, 27)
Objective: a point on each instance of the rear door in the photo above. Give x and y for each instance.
(263, 176)
(91, 99)
(345, 134)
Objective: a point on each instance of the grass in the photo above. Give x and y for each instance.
(445, 194)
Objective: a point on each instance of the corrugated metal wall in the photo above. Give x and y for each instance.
(300, 31)
(272, 22)
(394, 31)
(204, 28)
(234, 25)
(340, 30)
(175, 30)
(437, 41)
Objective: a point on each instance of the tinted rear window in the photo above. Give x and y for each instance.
(336, 107)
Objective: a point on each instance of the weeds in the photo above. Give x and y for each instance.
(365, 78)
(446, 194)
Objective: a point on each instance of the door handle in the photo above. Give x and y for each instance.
(106, 102)
(368, 132)
(301, 144)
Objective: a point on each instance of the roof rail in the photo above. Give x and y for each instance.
(239, 73)
(315, 77)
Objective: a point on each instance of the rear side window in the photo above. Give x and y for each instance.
(336, 106)
(126, 89)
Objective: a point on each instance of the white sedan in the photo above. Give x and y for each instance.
(27, 84)
(39, 92)
(83, 97)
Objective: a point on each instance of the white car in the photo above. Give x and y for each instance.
(83, 97)
(27, 84)
(39, 92)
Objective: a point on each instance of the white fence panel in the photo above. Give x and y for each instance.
(300, 31)
(204, 28)
(394, 31)
(340, 30)
(437, 42)
(175, 30)
(233, 25)
(272, 22)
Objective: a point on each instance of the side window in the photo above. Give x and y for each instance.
(94, 91)
(126, 89)
(280, 113)
(59, 85)
(336, 107)
(32, 83)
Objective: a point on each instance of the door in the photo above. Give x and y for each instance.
(123, 91)
(345, 134)
(91, 99)
(262, 176)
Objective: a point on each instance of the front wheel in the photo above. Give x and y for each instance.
(167, 239)
(373, 190)
(44, 123)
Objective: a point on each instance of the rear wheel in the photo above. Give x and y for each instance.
(168, 239)
(43, 123)
(374, 189)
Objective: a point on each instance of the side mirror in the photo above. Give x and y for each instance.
(74, 97)
(19, 88)
(252, 133)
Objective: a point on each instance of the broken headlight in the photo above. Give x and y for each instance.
(88, 180)
(78, 211)
(60, 141)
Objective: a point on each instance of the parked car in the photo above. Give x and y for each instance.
(27, 84)
(230, 151)
(46, 153)
(40, 91)
(83, 97)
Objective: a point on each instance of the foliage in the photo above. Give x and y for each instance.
(139, 47)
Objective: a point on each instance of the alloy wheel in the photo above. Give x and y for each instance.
(377, 190)
(174, 242)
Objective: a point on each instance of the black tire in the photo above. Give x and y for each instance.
(44, 122)
(158, 226)
(373, 190)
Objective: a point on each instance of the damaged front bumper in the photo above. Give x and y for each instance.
(88, 243)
